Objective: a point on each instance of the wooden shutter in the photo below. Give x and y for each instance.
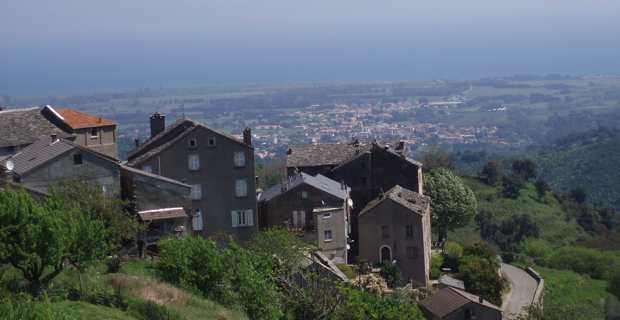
(233, 214)
(249, 217)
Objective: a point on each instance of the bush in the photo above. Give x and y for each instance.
(391, 274)
(597, 264)
(23, 307)
(360, 305)
(614, 284)
(481, 277)
(113, 264)
(436, 263)
(147, 310)
(538, 250)
(452, 252)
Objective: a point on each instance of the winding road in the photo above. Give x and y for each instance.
(522, 290)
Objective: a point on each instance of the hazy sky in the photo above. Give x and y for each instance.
(64, 46)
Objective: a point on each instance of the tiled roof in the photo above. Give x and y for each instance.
(319, 182)
(44, 150)
(23, 126)
(80, 120)
(154, 145)
(313, 155)
(162, 214)
(452, 282)
(413, 201)
(449, 300)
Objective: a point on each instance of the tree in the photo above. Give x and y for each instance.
(435, 158)
(88, 198)
(481, 278)
(541, 187)
(525, 169)
(491, 173)
(512, 185)
(279, 248)
(453, 203)
(33, 238)
(361, 305)
(578, 195)
(614, 284)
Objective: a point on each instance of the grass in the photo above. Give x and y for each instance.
(83, 310)
(569, 295)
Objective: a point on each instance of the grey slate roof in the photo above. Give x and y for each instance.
(313, 155)
(42, 151)
(413, 201)
(154, 145)
(451, 282)
(449, 300)
(319, 182)
(23, 126)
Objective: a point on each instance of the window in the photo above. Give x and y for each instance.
(304, 194)
(327, 235)
(197, 222)
(212, 142)
(299, 219)
(94, 133)
(196, 193)
(77, 159)
(412, 252)
(192, 143)
(193, 162)
(241, 188)
(242, 218)
(327, 215)
(147, 168)
(385, 232)
(239, 159)
(409, 231)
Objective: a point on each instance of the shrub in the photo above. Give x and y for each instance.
(436, 263)
(452, 252)
(614, 284)
(113, 264)
(391, 274)
(360, 305)
(597, 264)
(538, 250)
(481, 277)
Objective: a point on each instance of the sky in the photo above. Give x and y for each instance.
(58, 47)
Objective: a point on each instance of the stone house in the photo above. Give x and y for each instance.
(50, 160)
(21, 127)
(395, 228)
(218, 167)
(369, 169)
(315, 207)
(162, 203)
(454, 304)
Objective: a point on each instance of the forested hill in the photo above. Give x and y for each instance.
(589, 160)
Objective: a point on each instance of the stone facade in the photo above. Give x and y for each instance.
(396, 227)
(219, 168)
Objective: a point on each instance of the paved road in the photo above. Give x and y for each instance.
(523, 287)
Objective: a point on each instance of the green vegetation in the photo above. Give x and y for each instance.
(570, 296)
(453, 205)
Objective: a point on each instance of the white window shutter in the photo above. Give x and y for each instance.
(302, 218)
(233, 214)
(294, 218)
(249, 217)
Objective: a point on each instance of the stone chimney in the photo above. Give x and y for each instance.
(158, 123)
(247, 136)
(54, 137)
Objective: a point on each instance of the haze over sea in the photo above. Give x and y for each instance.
(70, 46)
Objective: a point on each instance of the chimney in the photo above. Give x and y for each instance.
(247, 136)
(158, 123)
(54, 137)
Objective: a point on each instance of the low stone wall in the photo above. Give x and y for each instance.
(538, 295)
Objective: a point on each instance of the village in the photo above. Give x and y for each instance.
(355, 201)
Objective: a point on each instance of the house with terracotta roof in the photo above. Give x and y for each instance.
(454, 304)
(21, 127)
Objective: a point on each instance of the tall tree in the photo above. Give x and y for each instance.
(491, 173)
(526, 169)
(453, 203)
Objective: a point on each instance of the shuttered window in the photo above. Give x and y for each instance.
(241, 188)
(196, 193)
(193, 162)
(239, 159)
(242, 218)
(197, 222)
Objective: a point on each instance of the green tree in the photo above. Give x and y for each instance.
(34, 238)
(481, 278)
(361, 305)
(453, 203)
(614, 284)
(541, 187)
(435, 158)
(512, 186)
(278, 248)
(452, 252)
(88, 198)
(525, 169)
(491, 173)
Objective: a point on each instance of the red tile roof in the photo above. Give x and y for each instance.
(80, 120)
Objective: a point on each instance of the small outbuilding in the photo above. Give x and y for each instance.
(454, 304)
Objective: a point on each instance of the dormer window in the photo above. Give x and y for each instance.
(192, 143)
(94, 133)
(212, 142)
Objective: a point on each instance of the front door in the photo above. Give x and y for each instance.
(386, 254)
